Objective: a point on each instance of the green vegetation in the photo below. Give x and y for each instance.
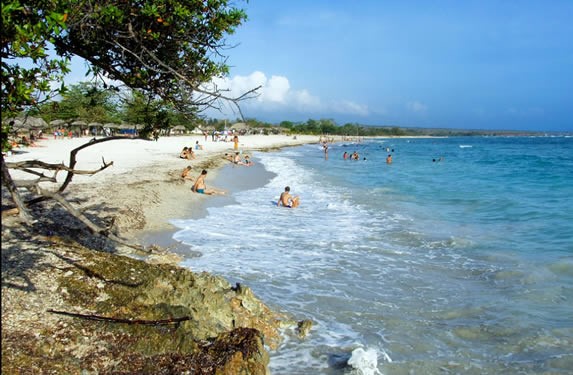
(164, 50)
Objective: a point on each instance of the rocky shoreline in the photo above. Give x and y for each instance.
(77, 303)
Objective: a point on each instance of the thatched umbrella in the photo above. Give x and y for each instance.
(37, 123)
(57, 123)
(111, 125)
(17, 122)
(79, 123)
(240, 126)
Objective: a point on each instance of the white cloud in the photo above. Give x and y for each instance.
(417, 107)
(276, 94)
(304, 101)
(349, 107)
(275, 90)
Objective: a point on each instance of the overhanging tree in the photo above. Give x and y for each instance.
(161, 48)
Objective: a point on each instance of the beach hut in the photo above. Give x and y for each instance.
(58, 123)
(26, 124)
(241, 128)
(79, 127)
(17, 123)
(179, 129)
(36, 123)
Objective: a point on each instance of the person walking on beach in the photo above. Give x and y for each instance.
(201, 188)
(288, 200)
(236, 142)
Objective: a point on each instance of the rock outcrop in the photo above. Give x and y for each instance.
(69, 309)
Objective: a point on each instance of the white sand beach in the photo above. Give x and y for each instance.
(145, 175)
(134, 197)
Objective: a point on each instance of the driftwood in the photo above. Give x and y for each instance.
(160, 322)
(33, 186)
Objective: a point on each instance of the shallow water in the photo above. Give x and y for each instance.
(463, 265)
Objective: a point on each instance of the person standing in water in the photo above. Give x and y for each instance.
(287, 200)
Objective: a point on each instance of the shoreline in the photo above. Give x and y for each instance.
(146, 173)
(228, 177)
(55, 266)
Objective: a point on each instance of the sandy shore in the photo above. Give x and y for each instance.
(145, 176)
(57, 265)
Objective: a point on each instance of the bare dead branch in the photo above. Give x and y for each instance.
(92, 227)
(160, 322)
(9, 183)
(44, 194)
(29, 184)
(75, 151)
(24, 165)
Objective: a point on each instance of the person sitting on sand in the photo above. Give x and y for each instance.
(190, 153)
(186, 173)
(248, 162)
(237, 158)
(201, 188)
(184, 152)
(287, 200)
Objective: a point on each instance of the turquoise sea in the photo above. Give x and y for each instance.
(462, 265)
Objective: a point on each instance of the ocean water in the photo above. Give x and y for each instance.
(462, 265)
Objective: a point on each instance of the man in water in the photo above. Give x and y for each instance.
(288, 200)
(389, 159)
(201, 188)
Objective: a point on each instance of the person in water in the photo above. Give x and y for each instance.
(201, 188)
(288, 200)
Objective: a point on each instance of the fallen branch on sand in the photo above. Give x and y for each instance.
(33, 186)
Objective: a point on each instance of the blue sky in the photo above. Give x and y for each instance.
(454, 64)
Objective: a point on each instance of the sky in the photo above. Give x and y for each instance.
(437, 64)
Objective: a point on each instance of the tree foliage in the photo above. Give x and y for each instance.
(165, 48)
(167, 51)
(86, 101)
(27, 68)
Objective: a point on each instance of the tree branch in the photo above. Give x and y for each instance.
(160, 322)
(9, 183)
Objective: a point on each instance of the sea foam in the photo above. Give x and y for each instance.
(365, 362)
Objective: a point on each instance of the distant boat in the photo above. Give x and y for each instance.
(465, 146)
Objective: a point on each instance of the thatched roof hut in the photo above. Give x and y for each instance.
(58, 123)
(240, 126)
(27, 123)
